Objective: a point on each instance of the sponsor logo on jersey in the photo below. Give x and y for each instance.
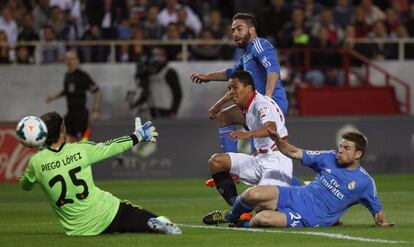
(332, 186)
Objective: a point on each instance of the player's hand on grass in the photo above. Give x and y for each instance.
(237, 134)
(146, 132)
(199, 78)
(381, 221)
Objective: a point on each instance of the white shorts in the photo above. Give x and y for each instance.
(263, 169)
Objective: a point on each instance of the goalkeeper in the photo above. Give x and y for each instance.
(64, 172)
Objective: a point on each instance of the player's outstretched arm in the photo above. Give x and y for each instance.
(216, 108)
(380, 220)
(105, 150)
(213, 76)
(285, 147)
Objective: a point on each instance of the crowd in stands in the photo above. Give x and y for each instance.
(296, 23)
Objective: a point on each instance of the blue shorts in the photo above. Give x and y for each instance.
(292, 204)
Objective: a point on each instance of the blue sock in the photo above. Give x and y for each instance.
(296, 181)
(239, 207)
(226, 143)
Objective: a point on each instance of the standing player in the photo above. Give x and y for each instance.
(260, 60)
(340, 184)
(75, 85)
(268, 166)
(64, 173)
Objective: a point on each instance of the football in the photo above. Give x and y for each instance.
(31, 131)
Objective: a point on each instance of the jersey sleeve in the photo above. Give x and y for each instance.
(370, 198)
(99, 151)
(315, 159)
(92, 87)
(266, 54)
(28, 179)
(237, 66)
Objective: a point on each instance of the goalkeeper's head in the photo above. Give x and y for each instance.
(55, 126)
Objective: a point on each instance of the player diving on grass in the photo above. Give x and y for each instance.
(260, 60)
(341, 183)
(63, 170)
(267, 166)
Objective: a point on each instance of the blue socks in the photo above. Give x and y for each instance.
(296, 181)
(227, 144)
(239, 207)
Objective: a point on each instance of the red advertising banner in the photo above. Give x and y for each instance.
(13, 155)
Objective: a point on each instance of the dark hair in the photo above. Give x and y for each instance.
(358, 138)
(249, 18)
(53, 123)
(244, 77)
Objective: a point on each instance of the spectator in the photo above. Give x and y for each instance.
(362, 28)
(402, 33)
(343, 12)
(410, 21)
(335, 32)
(41, 15)
(273, 19)
(170, 15)
(57, 21)
(172, 33)
(185, 31)
(94, 53)
(62, 4)
(391, 22)
(28, 33)
(372, 13)
(9, 26)
(4, 48)
(217, 25)
(23, 55)
(382, 50)
(206, 51)
(153, 29)
(49, 51)
(295, 32)
(311, 10)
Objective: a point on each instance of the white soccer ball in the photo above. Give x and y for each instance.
(31, 131)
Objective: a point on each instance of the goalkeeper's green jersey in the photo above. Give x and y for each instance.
(65, 176)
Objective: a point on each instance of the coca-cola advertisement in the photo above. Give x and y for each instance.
(13, 155)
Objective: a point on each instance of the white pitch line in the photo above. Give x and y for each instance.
(322, 234)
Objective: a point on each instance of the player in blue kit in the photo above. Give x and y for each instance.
(341, 183)
(261, 61)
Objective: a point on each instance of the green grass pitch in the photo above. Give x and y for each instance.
(27, 220)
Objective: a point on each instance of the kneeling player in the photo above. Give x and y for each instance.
(340, 184)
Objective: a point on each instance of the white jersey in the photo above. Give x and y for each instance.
(263, 109)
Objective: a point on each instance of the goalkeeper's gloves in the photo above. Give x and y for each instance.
(145, 132)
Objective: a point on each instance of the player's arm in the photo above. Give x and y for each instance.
(380, 220)
(216, 108)
(110, 148)
(371, 201)
(262, 132)
(267, 56)
(213, 76)
(28, 179)
(285, 147)
(272, 79)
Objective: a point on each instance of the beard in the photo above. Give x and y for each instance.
(244, 41)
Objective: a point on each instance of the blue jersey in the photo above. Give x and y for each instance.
(260, 58)
(334, 190)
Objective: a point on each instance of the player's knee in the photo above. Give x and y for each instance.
(216, 163)
(252, 195)
(263, 218)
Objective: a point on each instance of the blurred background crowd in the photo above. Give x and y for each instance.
(297, 23)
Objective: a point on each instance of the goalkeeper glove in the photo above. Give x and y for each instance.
(145, 132)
